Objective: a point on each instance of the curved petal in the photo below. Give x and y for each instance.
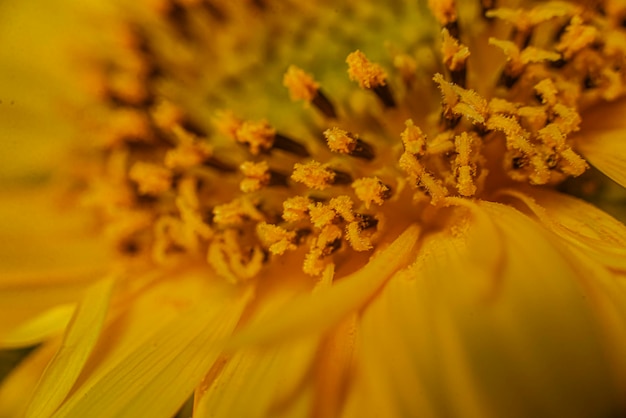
(579, 224)
(18, 387)
(79, 340)
(37, 329)
(156, 376)
(265, 377)
(601, 140)
(509, 336)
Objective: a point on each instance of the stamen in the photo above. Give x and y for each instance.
(413, 139)
(370, 76)
(289, 145)
(455, 57)
(296, 208)
(257, 176)
(418, 176)
(345, 142)
(318, 176)
(302, 86)
(577, 36)
(236, 213)
(258, 136)
(277, 239)
(371, 190)
(464, 169)
(356, 239)
(152, 179)
(445, 13)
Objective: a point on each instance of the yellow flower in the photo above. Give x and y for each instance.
(395, 247)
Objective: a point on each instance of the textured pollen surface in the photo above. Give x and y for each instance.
(204, 156)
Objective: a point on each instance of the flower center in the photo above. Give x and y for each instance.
(240, 193)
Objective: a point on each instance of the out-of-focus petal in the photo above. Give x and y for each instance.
(17, 389)
(79, 340)
(37, 238)
(155, 377)
(34, 330)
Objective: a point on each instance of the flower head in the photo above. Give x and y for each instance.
(394, 247)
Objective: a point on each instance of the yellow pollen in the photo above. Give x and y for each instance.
(518, 60)
(277, 239)
(454, 53)
(235, 213)
(301, 85)
(418, 176)
(370, 190)
(166, 115)
(413, 139)
(152, 179)
(227, 123)
(127, 125)
(228, 259)
(340, 141)
(296, 208)
(164, 195)
(258, 135)
(577, 36)
(257, 176)
(461, 102)
(356, 239)
(189, 152)
(465, 170)
(342, 205)
(364, 72)
(321, 214)
(313, 175)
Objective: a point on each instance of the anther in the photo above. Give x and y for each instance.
(259, 175)
(287, 144)
(345, 142)
(455, 57)
(302, 86)
(318, 176)
(370, 76)
(371, 190)
(366, 221)
(152, 179)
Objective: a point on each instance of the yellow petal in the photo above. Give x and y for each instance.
(327, 306)
(155, 378)
(333, 371)
(540, 335)
(601, 140)
(38, 238)
(579, 224)
(19, 386)
(266, 378)
(509, 336)
(78, 342)
(51, 322)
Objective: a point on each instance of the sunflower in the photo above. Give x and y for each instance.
(291, 209)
